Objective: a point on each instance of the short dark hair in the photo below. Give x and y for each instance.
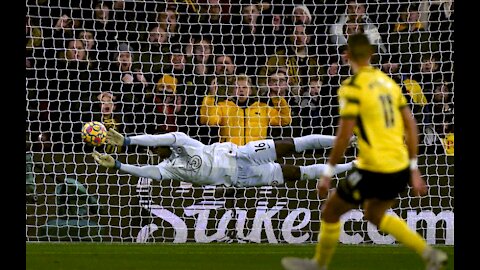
(359, 47)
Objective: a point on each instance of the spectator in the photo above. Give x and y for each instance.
(438, 17)
(153, 53)
(169, 22)
(440, 130)
(356, 15)
(33, 40)
(178, 65)
(129, 85)
(391, 66)
(409, 20)
(301, 15)
(224, 65)
(203, 69)
(224, 72)
(310, 109)
(214, 22)
(274, 30)
(277, 83)
(203, 58)
(442, 108)
(109, 118)
(90, 45)
(125, 27)
(244, 118)
(248, 40)
(104, 28)
(409, 38)
(62, 33)
(426, 72)
(338, 69)
(184, 15)
(299, 59)
(74, 80)
(168, 105)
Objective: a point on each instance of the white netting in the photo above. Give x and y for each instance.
(147, 67)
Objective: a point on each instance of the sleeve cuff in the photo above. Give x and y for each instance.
(118, 164)
(126, 141)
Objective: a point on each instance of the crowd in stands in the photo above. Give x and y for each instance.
(219, 70)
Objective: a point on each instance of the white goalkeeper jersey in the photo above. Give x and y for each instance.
(202, 164)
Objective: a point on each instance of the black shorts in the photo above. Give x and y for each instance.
(361, 184)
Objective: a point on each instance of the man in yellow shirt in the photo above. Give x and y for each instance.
(372, 106)
(244, 118)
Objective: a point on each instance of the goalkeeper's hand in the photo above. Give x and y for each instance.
(115, 138)
(104, 160)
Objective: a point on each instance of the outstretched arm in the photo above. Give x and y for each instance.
(115, 138)
(147, 171)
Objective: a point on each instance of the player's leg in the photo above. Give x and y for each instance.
(348, 195)
(310, 172)
(328, 237)
(289, 146)
(272, 173)
(258, 152)
(265, 151)
(375, 212)
(330, 227)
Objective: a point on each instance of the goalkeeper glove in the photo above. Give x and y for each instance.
(106, 160)
(115, 138)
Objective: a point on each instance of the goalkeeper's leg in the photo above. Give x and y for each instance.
(266, 151)
(311, 172)
(297, 145)
(272, 174)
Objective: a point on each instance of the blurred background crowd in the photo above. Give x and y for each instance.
(223, 70)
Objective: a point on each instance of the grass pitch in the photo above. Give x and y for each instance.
(70, 256)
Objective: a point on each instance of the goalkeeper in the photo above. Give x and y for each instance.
(222, 163)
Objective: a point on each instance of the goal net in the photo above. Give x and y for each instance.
(145, 66)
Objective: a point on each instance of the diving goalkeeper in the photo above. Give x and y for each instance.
(222, 163)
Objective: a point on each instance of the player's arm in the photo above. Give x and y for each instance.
(147, 171)
(411, 139)
(115, 138)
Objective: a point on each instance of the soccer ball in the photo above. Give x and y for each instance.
(94, 133)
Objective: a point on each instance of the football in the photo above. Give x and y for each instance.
(94, 133)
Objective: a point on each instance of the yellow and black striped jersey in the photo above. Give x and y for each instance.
(375, 101)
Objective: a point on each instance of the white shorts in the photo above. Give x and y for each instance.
(256, 165)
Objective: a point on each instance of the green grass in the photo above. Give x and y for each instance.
(70, 256)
